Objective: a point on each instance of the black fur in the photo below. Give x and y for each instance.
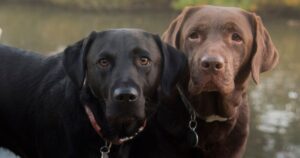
(42, 98)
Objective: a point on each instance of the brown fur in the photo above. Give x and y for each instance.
(243, 44)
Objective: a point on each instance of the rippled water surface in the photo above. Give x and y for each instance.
(275, 112)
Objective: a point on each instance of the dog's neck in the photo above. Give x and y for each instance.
(173, 117)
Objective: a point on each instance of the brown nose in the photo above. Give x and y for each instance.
(212, 63)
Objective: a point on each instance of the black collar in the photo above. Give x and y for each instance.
(192, 134)
(187, 103)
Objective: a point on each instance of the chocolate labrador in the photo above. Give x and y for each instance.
(209, 115)
(224, 46)
(99, 91)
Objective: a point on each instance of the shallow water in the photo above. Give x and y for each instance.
(275, 112)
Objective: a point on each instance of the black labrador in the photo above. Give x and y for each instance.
(99, 91)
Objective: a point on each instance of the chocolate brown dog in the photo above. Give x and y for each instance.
(224, 46)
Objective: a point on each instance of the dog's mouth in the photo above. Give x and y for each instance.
(210, 83)
(210, 106)
(210, 87)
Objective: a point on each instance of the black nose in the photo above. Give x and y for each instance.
(127, 94)
(212, 63)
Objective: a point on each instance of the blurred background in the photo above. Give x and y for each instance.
(48, 26)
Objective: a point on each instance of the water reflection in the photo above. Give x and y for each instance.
(48, 29)
(275, 111)
(275, 102)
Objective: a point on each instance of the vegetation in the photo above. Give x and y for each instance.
(246, 4)
(102, 4)
(110, 4)
(266, 5)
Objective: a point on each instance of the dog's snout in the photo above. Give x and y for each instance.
(212, 63)
(127, 94)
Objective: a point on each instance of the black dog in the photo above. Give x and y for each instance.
(106, 84)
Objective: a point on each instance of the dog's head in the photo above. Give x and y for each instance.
(224, 46)
(123, 69)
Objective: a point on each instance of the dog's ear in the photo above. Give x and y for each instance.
(173, 68)
(264, 54)
(74, 59)
(172, 34)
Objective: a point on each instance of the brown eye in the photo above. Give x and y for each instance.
(103, 63)
(236, 37)
(143, 61)
(194, 36)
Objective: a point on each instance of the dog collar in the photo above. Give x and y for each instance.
(106, 148)
(92, 120)
(193, 138)
(97, 127)
(187, 103)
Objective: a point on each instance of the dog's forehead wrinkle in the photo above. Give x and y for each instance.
(220, 9)
(140, 40)
(219, 15)
(126, 40)
(198, 25)
(112, 43)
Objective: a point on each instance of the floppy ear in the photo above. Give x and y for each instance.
(172, 34)
(173, 67)
(265, 55)
(74, 59)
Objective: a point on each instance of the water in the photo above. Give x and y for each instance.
(275, 112)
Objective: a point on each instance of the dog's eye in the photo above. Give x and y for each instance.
(103, 63)
(194, 36)
(236, 37)
(144, 61)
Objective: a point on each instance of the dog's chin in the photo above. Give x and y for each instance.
(208, 100)
(124, 131)
(224, 88)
